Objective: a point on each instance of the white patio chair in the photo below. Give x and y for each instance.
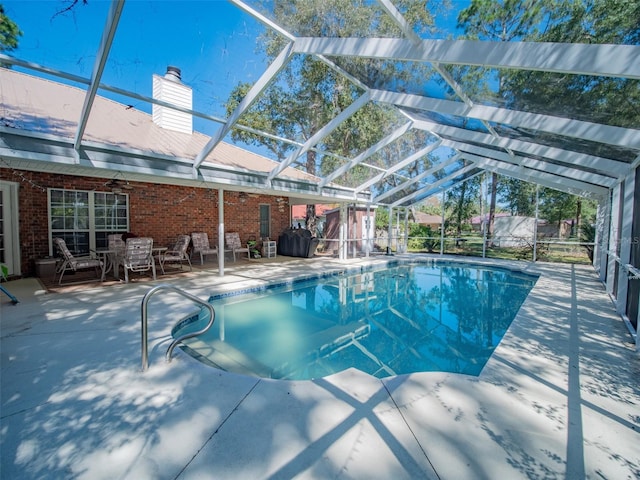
(73, 263)
(201, 245)
(138, 256)
(234, 244)
(177, 254)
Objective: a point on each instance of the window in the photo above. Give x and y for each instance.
(265, 221)
(84, 219)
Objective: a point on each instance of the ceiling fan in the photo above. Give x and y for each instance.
(118, 184)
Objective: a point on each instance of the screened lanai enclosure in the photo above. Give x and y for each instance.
(354, 103)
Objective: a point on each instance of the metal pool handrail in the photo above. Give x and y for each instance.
(144, 328)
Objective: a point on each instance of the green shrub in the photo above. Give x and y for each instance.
(588, 235)
(422, 237)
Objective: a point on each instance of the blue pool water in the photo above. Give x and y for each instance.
(407, 318)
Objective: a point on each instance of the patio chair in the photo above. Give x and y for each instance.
(116, 243)
(234, 244)
(116, 246)
(73, 263)
(177, 254)
(138, 256)
(201, 245)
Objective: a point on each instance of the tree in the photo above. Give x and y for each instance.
(431, 209)
(613, 101)
(461, 202)
(502, 21)
(409, 143)
(315, 92)
(422, 236)
(518, 196)
(499, 21)
(382, 218)
(259, 117)
(9, 34)
(556, 206)
(606, 100)
(587, 234)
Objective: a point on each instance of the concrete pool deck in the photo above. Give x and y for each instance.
(559, 398)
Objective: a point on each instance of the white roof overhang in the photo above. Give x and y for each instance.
(47, 153)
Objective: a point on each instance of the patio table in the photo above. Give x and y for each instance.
(157, 252)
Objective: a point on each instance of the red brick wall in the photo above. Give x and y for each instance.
(155, 210)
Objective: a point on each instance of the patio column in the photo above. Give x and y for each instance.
(342, 251)
(354, 232)
(367, 234)
(483, 224)
(221, 232)
(614, 236)
(398, 244)
(406, 230)
(389, 230)
(626, 233)
(535, 226)
(442, 227)
(603, 219)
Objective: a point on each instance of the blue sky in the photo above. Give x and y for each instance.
(213, 42)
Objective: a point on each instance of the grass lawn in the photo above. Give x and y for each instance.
(472, 246)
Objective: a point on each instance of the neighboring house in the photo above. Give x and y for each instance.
(476, 222)
(46, 193)
(299, 215)
(432, 221)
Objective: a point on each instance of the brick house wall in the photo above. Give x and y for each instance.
(155, 210)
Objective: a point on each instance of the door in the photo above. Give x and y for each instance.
(9, 239)
(368, 232)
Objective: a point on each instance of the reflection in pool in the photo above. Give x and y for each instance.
(407, 318)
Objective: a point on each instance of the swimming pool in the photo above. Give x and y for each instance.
(414, 317)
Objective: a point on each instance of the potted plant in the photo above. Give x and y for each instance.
(252, 248)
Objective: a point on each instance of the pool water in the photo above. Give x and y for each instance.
(408, 318)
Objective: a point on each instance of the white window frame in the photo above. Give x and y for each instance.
(9, 225)
(92, 230)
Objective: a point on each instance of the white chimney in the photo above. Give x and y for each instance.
(170, 89)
